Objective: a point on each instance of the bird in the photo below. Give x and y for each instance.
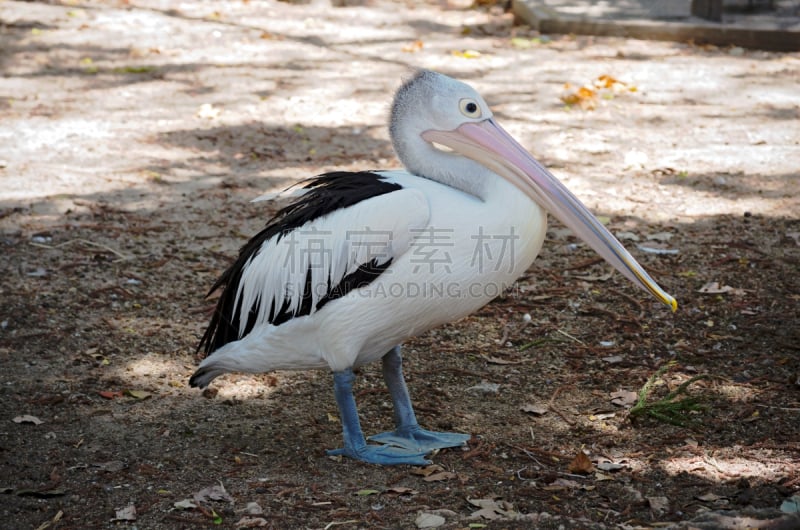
(360, 261)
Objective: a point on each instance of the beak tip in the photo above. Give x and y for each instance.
(673, 304)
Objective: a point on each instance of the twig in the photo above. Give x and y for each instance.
(576, 339)
(630, 299)
(339, 523)
(554, 409)
(122, 257)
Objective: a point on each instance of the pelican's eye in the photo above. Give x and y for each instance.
(469, 108)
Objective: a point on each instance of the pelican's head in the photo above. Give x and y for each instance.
(432, 110)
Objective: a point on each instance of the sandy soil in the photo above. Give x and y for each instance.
(134, 133)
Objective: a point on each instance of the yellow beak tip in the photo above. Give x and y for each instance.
(673, 304)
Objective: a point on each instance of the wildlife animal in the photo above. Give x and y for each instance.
(361, 261)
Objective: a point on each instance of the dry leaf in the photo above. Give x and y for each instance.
(413, 47)
(399, 490)
(27, 418)
(440, 476)
(127, 513)
(213, 493)
(492, 509)
(561, 484)
(185, 504)
(485, 388)
(138, 394)
(660, 236)
(709, 497)
(580, 464)
(658, 504)
(426, 470)
(251, 522)
(585, 97)
(365, 492)
(609, 466)
(537, 410)
(716, 288)
(624, 398)
(208, 111)
(497, 360)
(467, 54)
(429, 520)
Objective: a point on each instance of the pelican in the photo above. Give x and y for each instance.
(361, 261)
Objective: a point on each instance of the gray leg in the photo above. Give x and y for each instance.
(355, 446)
(408, 434)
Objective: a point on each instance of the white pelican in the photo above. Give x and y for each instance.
(361, 261)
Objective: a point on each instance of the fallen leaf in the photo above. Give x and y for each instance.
(42, 494)
(110, 394)
(399, 490)
(624, 398)
(561, 484)
(426, 470)
(656, 249)
(613, 359)
(492, 509)
(536, 410)
(660, 236)
(208, 111)
(584, 97)
(609, 466)
(485, 388)
(251, 522)
(629, 236)
(127, 513)
(413, 47)
(429, 520)
(716, 288)
(27, 418)
(580, 464)
(253, 508)
(138, 394)
(440, 476)
(467, 54)
(658, 504)
(365, 492)
(213, 493)
(185, 504)
(709, 497)
(497, 360)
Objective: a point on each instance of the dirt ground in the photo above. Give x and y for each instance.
(133, 135)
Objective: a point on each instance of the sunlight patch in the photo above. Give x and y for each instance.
(246, 387)
(724, 468)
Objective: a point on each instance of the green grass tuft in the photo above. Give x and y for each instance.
(673, 409)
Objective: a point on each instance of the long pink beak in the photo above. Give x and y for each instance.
(491, 146)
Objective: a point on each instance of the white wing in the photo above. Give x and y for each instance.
(296, 270)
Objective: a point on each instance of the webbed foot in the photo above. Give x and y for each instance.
(415, 438)
(384, 455)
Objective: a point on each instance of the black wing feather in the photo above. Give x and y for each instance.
(327, 193)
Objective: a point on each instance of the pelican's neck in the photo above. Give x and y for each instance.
(423, 159)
